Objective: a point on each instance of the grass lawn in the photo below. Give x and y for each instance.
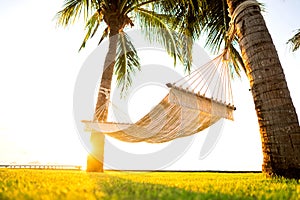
(64, 184)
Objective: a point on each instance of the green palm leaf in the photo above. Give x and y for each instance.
(127, 6)
(92, 27)
(166, 6)
(127, 61)
(156, 29)
(189, 25)
(104, 35)
(295, 41)
(73, 9)
(188, 22)
(215, 22)
(236, 63)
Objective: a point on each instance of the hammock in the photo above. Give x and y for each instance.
(193, 103)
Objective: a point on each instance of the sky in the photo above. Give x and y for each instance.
(39, 65)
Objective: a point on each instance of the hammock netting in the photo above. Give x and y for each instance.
(193, 103)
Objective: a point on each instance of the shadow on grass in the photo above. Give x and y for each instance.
(53, 184)
(121, 188)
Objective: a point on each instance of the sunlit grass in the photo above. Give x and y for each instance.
(52, 184)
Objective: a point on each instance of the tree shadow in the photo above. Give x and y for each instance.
(122, 188)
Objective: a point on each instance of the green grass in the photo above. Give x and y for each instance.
(52, 184)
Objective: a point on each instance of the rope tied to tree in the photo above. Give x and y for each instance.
(105, 91)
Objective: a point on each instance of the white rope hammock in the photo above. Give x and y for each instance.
(193, 103)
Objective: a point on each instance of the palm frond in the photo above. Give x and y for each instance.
(214, 21)
(188, 18)
(73, 9)
(92, 27)
(188, 24)
(161, 6)
(236, 63)
(295, 41)
(126, 6)
(104, 35)
(167, 6)
(185, 51)
(155, 27)
(127, 61)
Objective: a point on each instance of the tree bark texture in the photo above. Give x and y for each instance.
(277, 117)
(95, 160)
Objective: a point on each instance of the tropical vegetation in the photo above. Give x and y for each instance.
(122, 58)
(244, 35)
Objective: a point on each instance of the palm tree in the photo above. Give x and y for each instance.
(121, 58)
(277, 118)
(295, 41)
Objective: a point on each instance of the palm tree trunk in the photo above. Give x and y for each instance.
(95, 159)
(277, 118)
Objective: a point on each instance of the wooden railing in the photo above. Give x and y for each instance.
(37, 166)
